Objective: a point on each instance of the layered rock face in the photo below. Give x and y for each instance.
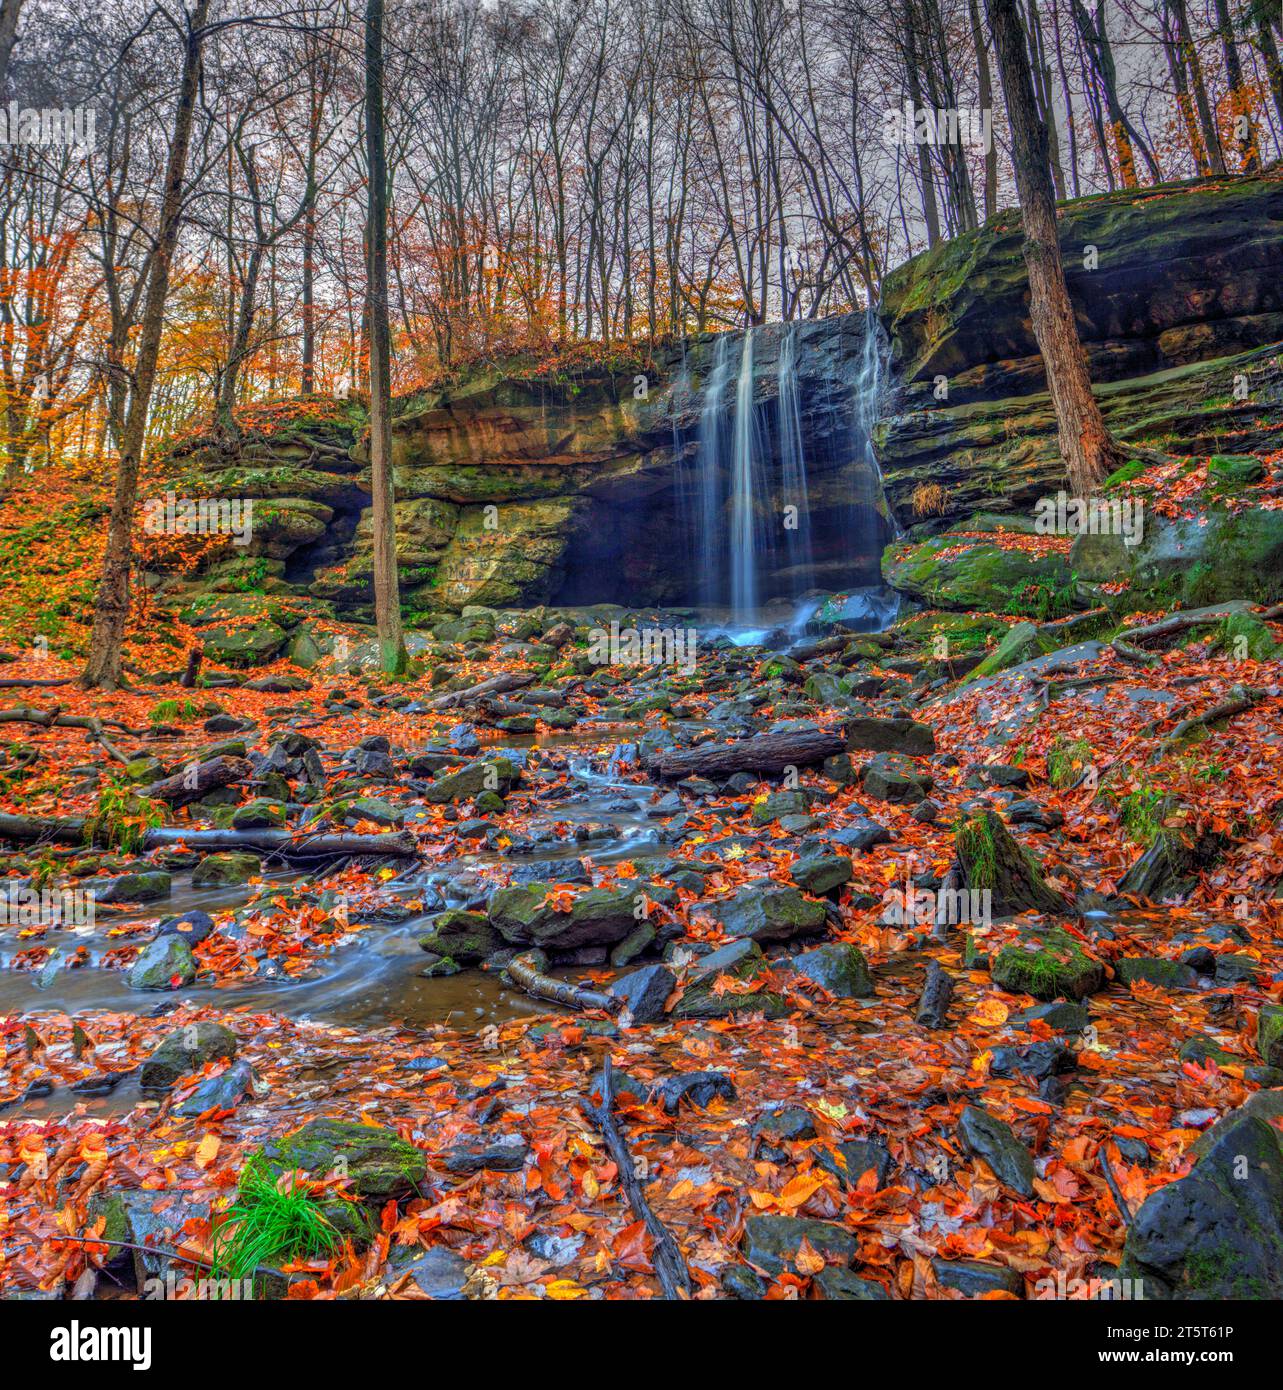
(524, 489)
(1176, 291)
(516, 491)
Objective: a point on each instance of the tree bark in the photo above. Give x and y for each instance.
(1086, 447)
(764, 753)
(387, 597)
(111, 612)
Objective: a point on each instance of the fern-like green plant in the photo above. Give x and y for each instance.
(121, 818)
(273, 1220)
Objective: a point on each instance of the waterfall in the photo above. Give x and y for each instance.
(746, 537)
(793, 466)
(708, 535)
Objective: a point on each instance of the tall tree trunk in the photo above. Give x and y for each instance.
(986, 104)
(1180, 85)
(1088, 451)
(10, 12)
(1202, 102)
(307, 382)
(1270, 52)
(930, 211)
(111, 611)
(1240, 100)
(387, 598)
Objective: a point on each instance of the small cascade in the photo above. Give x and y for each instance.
(748, 538)
(797, 528)
(707, 464)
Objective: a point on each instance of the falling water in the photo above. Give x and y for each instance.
(746, 540)
(793, 466)
(708, 463)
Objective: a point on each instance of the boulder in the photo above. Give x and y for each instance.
(184, 1051)
(839, 968)
(987, 1137)
(165, 962)
(377, 1162)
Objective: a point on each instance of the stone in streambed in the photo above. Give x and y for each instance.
(837, 967)
(820, 874)
(216, 870)
(764, 911)
(771, 1243)
(465, 937)
(143, 887)
(890, 736)
(184, 1051)
(222, 1092)
(1269, 1034)
(645, 992)
(974, 1278)
(166, 962)
(378, 1162)
(740, 960)
(1049, 964)
(987, 1137)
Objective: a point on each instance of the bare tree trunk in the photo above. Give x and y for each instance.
(1240, 100)
(387, 598)
(986, 104)
(111, 611)
(10, 12)
(1088, 451)
(1211, 136)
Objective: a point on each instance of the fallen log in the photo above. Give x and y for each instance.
(763, 753)
(286, 843)
(525, 971)
(937, 992)
(197, 779)
(670, 1267)
(70, 830)
(495, 685)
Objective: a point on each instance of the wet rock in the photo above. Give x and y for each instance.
(1202, 1050)
(497, 775)
(820, 874)
(216, 870)
(741, 960)
(466, 937)
(987, 1137)
(144, 887)
(784, 1124)
(1235, 970)
(633, 945)
(1062, 1015)
(771, 808)
(893, 777)
(862, 834)
(184, 1051)
(974, 1278)
(837, 1284)
(378, 1163)
(764, 911)
(601, 916)
(772, 1242)
(851, 1159)
(645, 992)
(165, 962)
(1049, 964)
(439, 1273)
(222, 1092)
(1039, 1060)
(1269, 1034)
(1218, 1232)
(739, 1282)
(193, 926)
(837, 967)
(700, 1088)
(260, 814)
(1154, 970)
(890, 736)
(506, 1153)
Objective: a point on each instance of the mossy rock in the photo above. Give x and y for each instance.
(1232, 471)
(378, 1163)
(216, 870)
(259, 814)
(1049, 964)
(954, 572)
(186, 1050)
(1021, 643)
(465, 937)
(837, 967)
(166, 962)
(1269, 1034)
(741, 960)
(493, 774)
